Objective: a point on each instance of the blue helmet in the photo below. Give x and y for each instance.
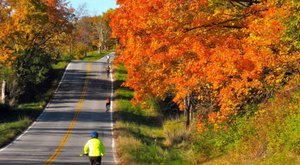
(94, 134)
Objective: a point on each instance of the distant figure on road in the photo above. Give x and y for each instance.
(108, 71)
(94, 148)
(107, 58)
(107, 104)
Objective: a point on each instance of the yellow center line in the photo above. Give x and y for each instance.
(64, 140)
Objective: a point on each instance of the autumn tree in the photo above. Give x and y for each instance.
(32, 32)
(105, 42)
(83, 40)
(92, 33)
(213, 56)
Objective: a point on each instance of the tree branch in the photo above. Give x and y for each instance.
(215, 24)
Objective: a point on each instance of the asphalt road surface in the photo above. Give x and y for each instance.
(78, 108)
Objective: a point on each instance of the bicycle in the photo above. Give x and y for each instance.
(108, 70)
(107, 104)
(93, 161)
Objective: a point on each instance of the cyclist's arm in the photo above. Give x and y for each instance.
(86, 148)
(102, 148)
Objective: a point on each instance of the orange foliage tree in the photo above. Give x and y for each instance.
(213, 56)
(28, 23)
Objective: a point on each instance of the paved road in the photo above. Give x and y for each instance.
(78, 107)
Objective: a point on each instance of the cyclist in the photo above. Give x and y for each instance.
(94, 148)
(107, 58)
(107, 104)
(108, 70)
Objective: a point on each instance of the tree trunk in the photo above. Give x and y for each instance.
(100, 45)
(187, 102)
(3, 92)
(188, 119)
(189, 109)
(71, 46)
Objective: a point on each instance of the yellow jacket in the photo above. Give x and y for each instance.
(94, 147)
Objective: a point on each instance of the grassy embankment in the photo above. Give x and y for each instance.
(269, 133)
(143, 136)
(15, 120)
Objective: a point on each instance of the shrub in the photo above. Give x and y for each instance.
(175, 131)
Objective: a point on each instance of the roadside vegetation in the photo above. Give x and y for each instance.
(269, 133)
(231, 67)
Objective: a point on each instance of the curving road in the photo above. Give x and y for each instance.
(78, 107)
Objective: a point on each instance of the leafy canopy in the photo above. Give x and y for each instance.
(227, 53)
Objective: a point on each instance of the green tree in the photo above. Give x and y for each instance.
(33, 67)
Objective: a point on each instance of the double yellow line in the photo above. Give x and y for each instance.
(64, 140)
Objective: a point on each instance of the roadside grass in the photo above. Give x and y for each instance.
(141, 133)
(13, 128)
(94, 56)
(15, 120)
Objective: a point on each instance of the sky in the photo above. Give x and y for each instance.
(94, 7)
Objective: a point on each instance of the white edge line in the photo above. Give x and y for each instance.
(38, 118)
(111, 117)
